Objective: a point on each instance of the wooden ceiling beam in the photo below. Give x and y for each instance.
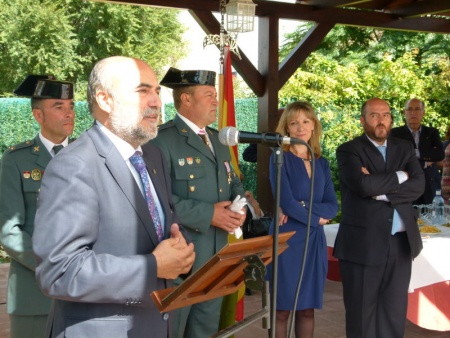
(422, 8)
(343, 16)
(303, 49)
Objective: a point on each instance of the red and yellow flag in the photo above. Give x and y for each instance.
(232, 305)
(227, 115)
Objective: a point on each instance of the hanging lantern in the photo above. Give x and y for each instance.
(240, 16)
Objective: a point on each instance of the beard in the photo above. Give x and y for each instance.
(133, 131)
(378, 133)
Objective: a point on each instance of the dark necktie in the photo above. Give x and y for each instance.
(138, 163)
(57, 147)
(396, 218)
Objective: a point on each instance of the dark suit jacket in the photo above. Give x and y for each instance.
(94, 239)
(366, 223)
(431, 150)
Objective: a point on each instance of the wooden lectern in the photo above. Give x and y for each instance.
(223, 274)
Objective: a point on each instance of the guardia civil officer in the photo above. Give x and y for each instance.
(22, 168)
(203, 183)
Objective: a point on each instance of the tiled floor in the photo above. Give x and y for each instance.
(4, 319)
(329, 320)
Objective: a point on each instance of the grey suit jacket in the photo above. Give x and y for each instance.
(94, 239)
(366, 223)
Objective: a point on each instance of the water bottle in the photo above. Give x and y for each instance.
(438, 209)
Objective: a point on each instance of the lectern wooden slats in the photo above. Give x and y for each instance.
(223, 274)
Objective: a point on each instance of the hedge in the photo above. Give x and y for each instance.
(17, 124)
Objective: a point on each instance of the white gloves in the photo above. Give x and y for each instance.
(237, 206)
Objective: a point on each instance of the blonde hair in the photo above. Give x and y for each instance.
(291, 111)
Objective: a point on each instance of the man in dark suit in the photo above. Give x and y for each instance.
(104, 234)
(203, 183)
(378, 235)
(427, 144)
(21, 171)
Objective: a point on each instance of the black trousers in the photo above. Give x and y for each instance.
(376, 297)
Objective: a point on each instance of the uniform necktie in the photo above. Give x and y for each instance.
(57, 147)
(202, 134)
(396, 219)
(138, 163)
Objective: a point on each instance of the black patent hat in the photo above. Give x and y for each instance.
(45, 87)
(175, 78)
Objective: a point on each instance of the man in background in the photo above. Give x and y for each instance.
(203, 183)
(427, 144)
(22, 168)
(105, 236)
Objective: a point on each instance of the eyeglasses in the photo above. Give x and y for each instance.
(412, 109)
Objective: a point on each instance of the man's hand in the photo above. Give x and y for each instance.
(226, 219)
(173, 255)
(365, 171)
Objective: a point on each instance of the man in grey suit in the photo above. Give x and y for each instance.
(203, 183)
(97, 227)
(378, 234)
(21, 173)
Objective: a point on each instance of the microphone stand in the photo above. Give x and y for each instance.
(278, 161)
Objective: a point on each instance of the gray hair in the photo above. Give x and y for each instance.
(99, 79)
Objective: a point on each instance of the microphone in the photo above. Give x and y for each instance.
(230, 136)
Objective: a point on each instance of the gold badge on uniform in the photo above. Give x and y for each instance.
(181, 161)
(36, 149)
(190, 160)
(192, 188)
(26, 174)
(154, 171)
(183, 130)
(198, 160)
(36, 174)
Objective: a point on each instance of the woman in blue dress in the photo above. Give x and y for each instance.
(300, 121)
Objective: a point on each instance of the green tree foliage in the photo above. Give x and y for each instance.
(354, 64)
(66, 37)
(35, 38)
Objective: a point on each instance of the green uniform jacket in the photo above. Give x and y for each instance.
(199, 179)
(22, 167)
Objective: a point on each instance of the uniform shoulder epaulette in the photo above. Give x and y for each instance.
(166, 125)
(21, 145)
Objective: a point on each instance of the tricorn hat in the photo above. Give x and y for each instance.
(45, 87)
(182, 78)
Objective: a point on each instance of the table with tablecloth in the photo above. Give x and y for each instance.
(429, 297)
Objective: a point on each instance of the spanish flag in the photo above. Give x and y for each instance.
(227, 115)
(233, 305)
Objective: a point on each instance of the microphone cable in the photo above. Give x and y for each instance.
(308, 228)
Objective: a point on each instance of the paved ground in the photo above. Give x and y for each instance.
(4, 319)
(329, 320)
